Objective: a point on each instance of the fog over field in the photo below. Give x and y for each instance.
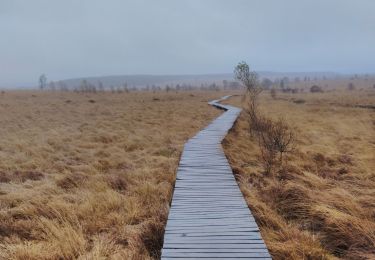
(141, 81)
(79, 39)
(189, 129)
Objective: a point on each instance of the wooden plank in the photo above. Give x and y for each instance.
(212, 241)
(175, 223)
(215, 258)
(211, 230)
(214, 246)
(218, 235)
(217, 254)
(213, 250)
(209, 217)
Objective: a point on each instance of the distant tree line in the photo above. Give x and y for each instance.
(275, 85)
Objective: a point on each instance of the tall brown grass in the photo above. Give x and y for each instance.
(321, 205)
(90, 176)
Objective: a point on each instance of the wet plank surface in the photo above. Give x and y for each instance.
(209, 217)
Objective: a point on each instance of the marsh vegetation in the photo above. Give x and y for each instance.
(320, 203)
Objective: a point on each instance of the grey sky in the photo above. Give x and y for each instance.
(77, 38)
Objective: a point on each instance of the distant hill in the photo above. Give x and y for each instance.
(140, 81)
(144, 80)
(273, 75)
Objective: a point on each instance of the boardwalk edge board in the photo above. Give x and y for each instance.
(209, 217)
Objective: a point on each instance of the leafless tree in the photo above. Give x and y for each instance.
(316, 89)
(42, 81)
(250, 81)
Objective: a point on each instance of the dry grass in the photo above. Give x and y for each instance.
(90, 176)
(321, 205)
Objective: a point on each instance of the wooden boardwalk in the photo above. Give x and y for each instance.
(209, 217)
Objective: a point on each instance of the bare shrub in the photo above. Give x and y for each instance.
(283, 137)
(260, 124)
(276, 138)
(268, 152)
(299, 101)
(42, 81)
(316, 89)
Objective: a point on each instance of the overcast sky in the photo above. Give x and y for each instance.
(78, 38)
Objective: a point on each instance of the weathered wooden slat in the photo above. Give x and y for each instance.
(216, 226)
(227, 234)
(216, 254)
(216, 241)
(212, 230)
(203, 223)
(214, 246)
(213, 250)
(200, 211)
(215, 258)
(209, 218)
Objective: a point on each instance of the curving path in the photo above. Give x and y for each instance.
(209, 217)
